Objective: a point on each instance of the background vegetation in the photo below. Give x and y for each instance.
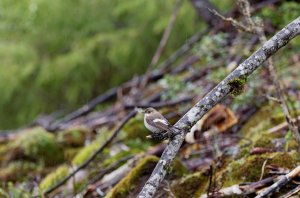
(60, 54)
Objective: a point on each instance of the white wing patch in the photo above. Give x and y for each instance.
(161, 121)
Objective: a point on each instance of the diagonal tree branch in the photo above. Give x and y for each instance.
(225, 87)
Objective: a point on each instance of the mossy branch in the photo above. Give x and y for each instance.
(212, 98)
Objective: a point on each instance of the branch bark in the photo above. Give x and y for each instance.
(212, 98)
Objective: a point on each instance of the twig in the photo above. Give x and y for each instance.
(214, 97)
(93, 184)
(292, 192)
(202, 8)
(210, 184)
(165, 36)
(228, 191)
(263, 4)
(94, 155)
(85, 109)
(272, 98)
(161, 104)
(235, 23)
(183, 49)
(281, 126)
(280, 183)
(110, 168)
(263, 169)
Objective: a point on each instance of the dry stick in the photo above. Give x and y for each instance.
(160, 104)
(183, 49)
(162, 44)
(280, 183)
(263, 169)
(86, 108)
(281, 126)
(94, 155)
(200, 7)
(292, 192)
(242, 190)
(212, 98)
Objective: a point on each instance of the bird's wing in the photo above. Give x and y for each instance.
(161, 124)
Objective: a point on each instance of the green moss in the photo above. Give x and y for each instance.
(244, 152)
(280, 117)
(73, 137)
(87, 151)
(3, 151)
(290, 8)
(38, 145)
(259, 122)
(190, 186)
(131, 180)
(285, 159)
(19, 191)
(137, 145)
(3, 194)
(291, 144)
(237, 85)
(111, 159)
(135, 129)
(178, 169)
(70, 153)
(54, 177)
(249, 169)
(263, 139)
(18, 170)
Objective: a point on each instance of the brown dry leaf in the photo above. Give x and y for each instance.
(219, 117)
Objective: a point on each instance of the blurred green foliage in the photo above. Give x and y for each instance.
(39, 145)
(282, 15)
(175, 88)
(211, 46)
(60, 54)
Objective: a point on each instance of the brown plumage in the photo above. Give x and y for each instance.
(157, 124)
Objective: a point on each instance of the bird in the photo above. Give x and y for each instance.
(158, 125)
